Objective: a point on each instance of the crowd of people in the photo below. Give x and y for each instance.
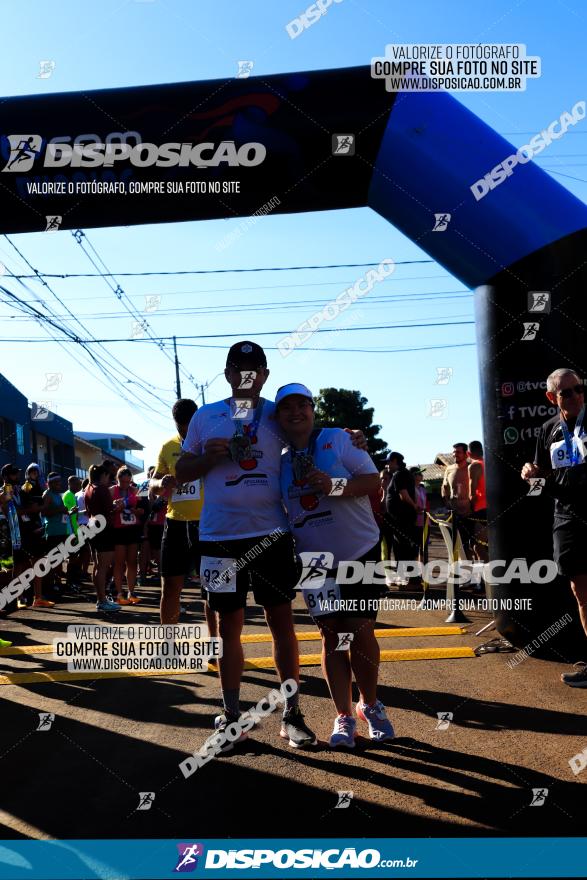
(244, 495)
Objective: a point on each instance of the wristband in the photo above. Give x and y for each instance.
(338, 486)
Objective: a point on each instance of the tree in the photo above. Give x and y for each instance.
(341, 408)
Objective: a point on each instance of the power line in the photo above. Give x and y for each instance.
(287, 305)
(80, 236)
(103, 366)
(108, 274)
(244, 334)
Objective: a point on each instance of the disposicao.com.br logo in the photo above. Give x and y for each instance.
(23, 151)
(330, 859)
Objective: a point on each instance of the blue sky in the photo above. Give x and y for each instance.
(150, 41)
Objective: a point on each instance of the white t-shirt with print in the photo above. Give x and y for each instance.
(344, 527)
(241, 500)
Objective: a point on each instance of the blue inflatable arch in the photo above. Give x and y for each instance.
(414, 155)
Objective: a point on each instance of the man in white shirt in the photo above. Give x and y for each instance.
(234, 446)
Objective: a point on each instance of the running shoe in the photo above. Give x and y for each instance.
(107, 605)
(43, 603)
(4, 643)
(134, 600)
(577, 679)
(221, 722)
(380, 727)
(343, 733)
(295, 729)
(120, 600)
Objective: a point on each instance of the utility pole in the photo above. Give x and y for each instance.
(177, 382)
(202, 387)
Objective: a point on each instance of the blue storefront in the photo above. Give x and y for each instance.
(33, 434)
(15, 440)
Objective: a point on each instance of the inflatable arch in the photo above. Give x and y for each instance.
(512, 231)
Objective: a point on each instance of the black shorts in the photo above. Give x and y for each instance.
(52, 541)
(465, 526)
(364, 597)
(155, 535)
(270, 569)
(103, 542)
(180, 552)
(570, 546)
(127, 535)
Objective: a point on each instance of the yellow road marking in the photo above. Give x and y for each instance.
(257, 639)
(18, 678)
(386, 656)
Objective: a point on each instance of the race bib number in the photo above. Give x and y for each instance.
(319, 599)
(218, 574)
(186, 492)
(127, 518)
(559, 455)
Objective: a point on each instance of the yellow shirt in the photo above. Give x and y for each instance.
(187, 499)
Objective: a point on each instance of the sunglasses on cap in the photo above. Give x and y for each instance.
(566, 393)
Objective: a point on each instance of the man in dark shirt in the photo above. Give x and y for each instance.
(561, 457)
(402, 509)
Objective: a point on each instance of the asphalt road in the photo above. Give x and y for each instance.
(512, 730)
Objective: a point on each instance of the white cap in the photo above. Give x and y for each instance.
(292, 388)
